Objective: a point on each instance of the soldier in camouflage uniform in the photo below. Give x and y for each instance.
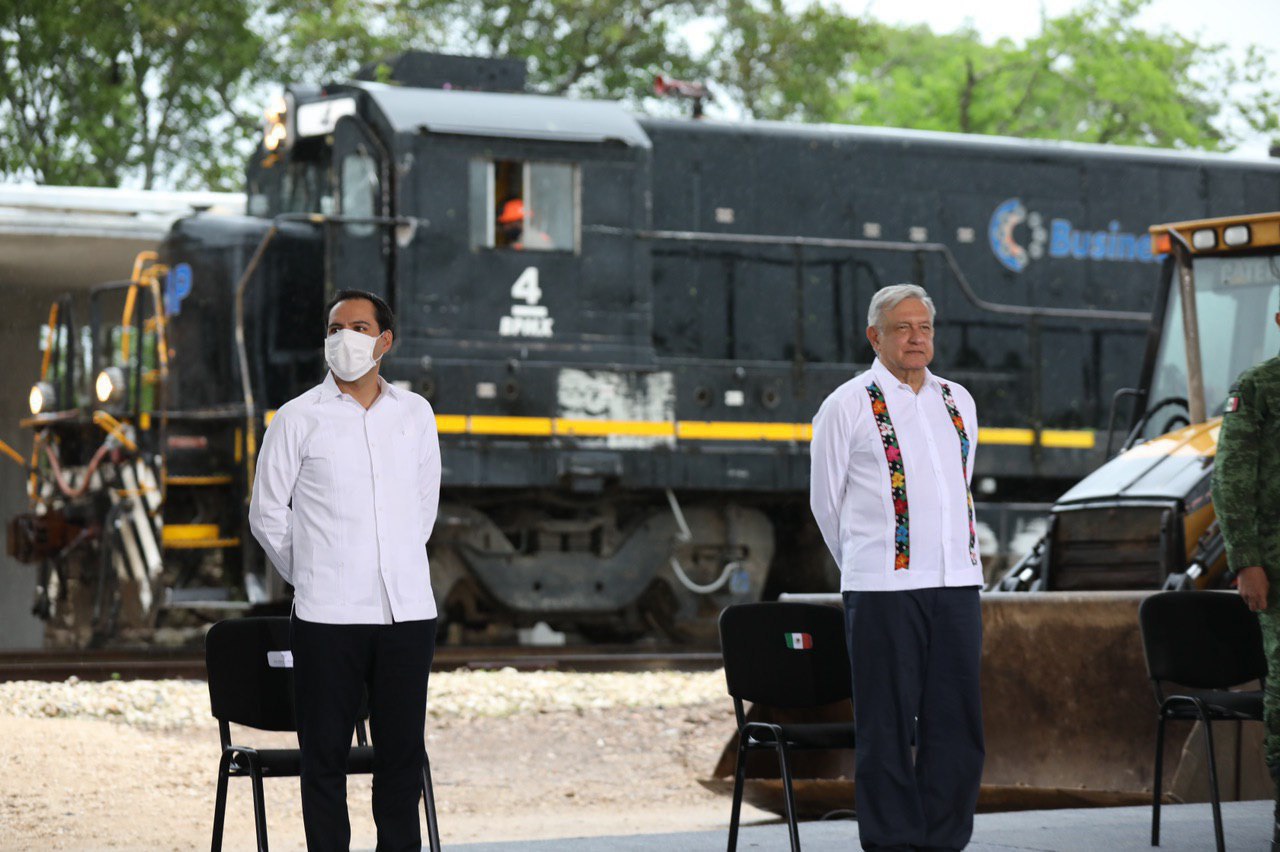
(1246, 496)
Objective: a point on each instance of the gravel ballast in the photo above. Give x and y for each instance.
(132, 764)
(169, 705)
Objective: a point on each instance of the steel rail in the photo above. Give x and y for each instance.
(99, 665)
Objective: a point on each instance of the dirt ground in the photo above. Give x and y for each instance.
(83, 784)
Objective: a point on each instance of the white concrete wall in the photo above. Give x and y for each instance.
(22, 311)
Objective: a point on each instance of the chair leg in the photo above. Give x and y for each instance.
(220, 802)
(739, 780)
(1157, 783)
(259, 807)
(789, 797)
(1213, 783)
(429, 801)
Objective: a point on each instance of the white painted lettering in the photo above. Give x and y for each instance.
(526, 327)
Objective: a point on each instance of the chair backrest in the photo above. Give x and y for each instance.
(249, 681)
(785, 654)
(1204, 640)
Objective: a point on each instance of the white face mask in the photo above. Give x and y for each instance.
(350, 354)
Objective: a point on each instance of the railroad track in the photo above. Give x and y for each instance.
(160, 664)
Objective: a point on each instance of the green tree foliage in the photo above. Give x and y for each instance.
(1259, 107)
(789, 65)
(43, 133)
(1096, 74)
(170, 92)
(588, 48)
(96, 92)
(318, 40)
(592, 48)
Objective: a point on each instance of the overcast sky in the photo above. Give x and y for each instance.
(1236, 23)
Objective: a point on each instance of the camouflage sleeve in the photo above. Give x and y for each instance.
(1236, 485)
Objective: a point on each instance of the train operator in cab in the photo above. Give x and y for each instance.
(520, 231)
(1246, 498)
(892, 459)
(345, 497)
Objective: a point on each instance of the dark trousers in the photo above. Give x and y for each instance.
(916, 657)
(332, 665)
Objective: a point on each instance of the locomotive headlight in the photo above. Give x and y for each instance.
(276, 131)
(109, 385)
(42, 398)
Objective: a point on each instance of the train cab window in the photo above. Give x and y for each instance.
(258, 204)
(359, 191)
(1230, 293)
(304, 187)
(296, 185)
(524, 206)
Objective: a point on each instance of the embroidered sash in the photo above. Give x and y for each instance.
(898, 474)
(897, 479)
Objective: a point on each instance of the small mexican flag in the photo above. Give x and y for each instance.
(799, 641)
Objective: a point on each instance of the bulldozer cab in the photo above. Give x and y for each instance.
(1221, 291)
(1145, 519)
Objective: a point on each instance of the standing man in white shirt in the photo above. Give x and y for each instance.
(892, 458)
(344, 500)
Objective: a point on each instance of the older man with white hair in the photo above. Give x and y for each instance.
(892, 462)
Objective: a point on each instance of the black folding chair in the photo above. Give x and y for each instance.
(251, 684)
(1209, 642)
(784, 655)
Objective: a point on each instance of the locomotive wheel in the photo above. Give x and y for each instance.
(661, 610)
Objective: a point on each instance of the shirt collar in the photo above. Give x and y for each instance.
(329, 388)
(886, 379)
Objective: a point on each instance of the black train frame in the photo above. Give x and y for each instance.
(624, 420)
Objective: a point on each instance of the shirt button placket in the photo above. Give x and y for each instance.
(377, 518)
(944, 513)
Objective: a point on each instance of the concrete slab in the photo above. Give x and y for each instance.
(1184, 828)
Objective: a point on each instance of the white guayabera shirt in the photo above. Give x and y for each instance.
(344, 501)
(890, 482)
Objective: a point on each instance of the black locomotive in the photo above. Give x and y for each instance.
(624, 324)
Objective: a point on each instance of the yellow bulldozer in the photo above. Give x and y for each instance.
(1068, 708)
(1145, 519)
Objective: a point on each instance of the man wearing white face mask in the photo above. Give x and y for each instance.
(344, 500)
